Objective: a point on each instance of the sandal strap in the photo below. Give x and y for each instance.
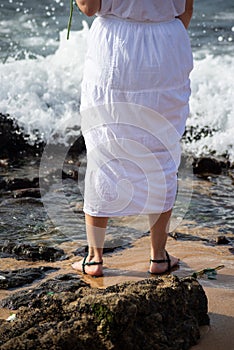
(94, 263)
(89, 263)
(83, 264)
(161, 261)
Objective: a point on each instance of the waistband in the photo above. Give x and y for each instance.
(130, 20)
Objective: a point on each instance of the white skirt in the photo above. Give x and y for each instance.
(134, 105)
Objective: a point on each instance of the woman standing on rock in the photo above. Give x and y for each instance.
(134, 105)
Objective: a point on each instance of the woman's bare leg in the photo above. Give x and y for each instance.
(159, 226)
(95, 230)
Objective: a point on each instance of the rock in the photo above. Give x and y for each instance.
(20, 277)
(205, 167)
(33, 297)
(12, 184)
(82, 251)
(27, 192)
(22, 251)
(71, 174)
(158, 313)
(15, 145)
(222, 240)
(186, 237)
(231, 175)
(61, 174)
(77, 147)
(14, 142)
(4, 163)
(195, 133)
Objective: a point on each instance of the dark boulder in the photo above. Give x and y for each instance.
(17, 278)
(15, 144)
(11, 184)
(153, 314)
(14, 141)
(23, 251)
(33, 297)
(27, 192)
(231, 175)
(222, 240)
(77, 147)
(205, 167)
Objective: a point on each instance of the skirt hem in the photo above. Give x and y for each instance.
(124, 214)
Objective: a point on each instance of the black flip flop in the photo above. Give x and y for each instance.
(162, 261)
(89, 263)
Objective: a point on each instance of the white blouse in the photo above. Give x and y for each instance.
(143, 10)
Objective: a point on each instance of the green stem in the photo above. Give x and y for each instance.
(70, 19)
(198, 274)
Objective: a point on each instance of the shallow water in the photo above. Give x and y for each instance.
(58, 216)
(212, 204)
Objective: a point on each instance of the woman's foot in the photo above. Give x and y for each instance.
(89, 266)
(163, 265)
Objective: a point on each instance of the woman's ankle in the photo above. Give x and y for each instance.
(158, 254)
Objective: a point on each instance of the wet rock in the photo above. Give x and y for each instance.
(27, 192)
(56, 175)
(13, 202)
(205, 167)
(20, 277)
(77, 147)
(158, 313)
(231, 175)
(4, 163)
(71, 174)
(187, 237)
(222, 240)
(14, 143)
(33, 297)
(82, 251)
(12, 184)
(195, 132)
(21, 251)
(116, 241)
(2, 182)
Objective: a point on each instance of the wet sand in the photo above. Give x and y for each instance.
(132, 264)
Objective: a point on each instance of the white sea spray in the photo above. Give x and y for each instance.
(44, 93)
(212, 105)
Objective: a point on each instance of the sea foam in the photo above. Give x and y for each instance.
(43, 94)
(212, 106)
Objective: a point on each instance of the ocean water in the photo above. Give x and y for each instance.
(41, 72)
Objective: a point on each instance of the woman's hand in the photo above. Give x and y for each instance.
(187, 15)
(89, 7)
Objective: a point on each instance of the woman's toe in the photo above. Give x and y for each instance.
(77, 265)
